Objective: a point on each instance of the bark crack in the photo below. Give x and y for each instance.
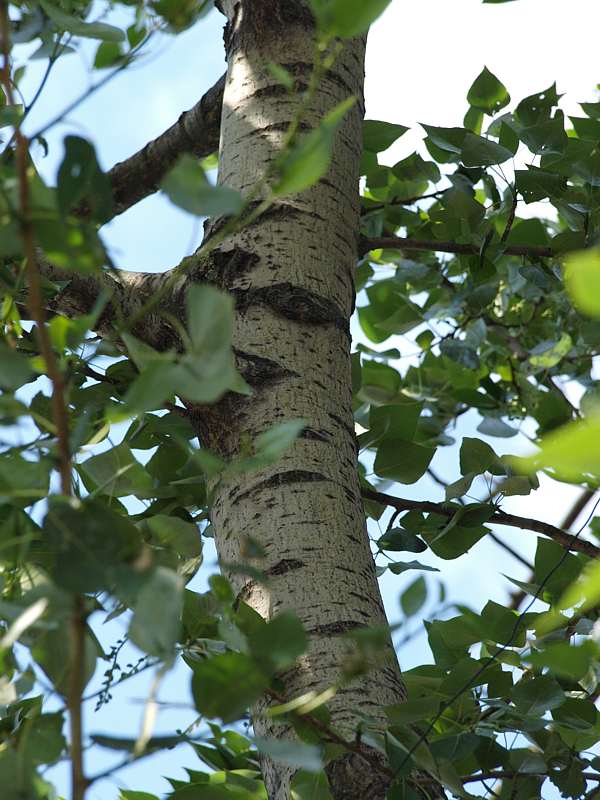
(293, 302)
(280, 479)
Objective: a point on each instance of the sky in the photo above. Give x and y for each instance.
(421, 59)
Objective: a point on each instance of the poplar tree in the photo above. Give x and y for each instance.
(235, 371)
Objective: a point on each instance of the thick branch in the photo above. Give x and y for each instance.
(124, 293)
(401, 243)
(568, 541)
(196, 132)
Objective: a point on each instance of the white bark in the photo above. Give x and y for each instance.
(293, 282)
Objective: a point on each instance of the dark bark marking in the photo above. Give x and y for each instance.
(222, 267)
(262, 20)
(295, 303)
(337, 628)
(285, 565)
(259, 371)
(281, 479)
(320, 436)
(342, 423)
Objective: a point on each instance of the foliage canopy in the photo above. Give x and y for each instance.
(502, 303)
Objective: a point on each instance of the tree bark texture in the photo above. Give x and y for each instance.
(292, 275)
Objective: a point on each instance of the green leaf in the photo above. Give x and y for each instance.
(536, 695)
(293, 753)
(488, 93)
(403, 566)
(548, 354)
(187, 186)
(276, 644)
(480, 152)
(156, 622)
(413, 710)
(23, 482)
(271, 444)
(571, 453)
(378, 135)
(14, 368)
(477, 457)
(414, 597)
(402, 461)
(92, 30)
(347, 18)
(310, 786)
(309, 159)
(500, 625)
(226, 685)
(85, 545)
(108, 54)
(398, 539)
(564, 659)
(582, 279)
(450, 539)
(80, 180)
(116, 473)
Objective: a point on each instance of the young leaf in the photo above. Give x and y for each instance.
(572, 452)
(378, 136)
(156, 622)
(347, 18)
(309, 160)
(187, 186)
(582, 279)
(225, 685)
(487, 93)
(92, 30)
(402, 461)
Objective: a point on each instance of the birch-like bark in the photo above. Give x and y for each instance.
(291, 273)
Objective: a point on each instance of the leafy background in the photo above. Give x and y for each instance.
(424, 80)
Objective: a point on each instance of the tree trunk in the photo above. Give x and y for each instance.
(292, 276)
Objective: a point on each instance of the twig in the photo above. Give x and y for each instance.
(511, 216)
(498, 517)
(92, 89)
(77, 623)
(74, 698)
(510, 550)
(35, 302)
(402, 243)
(402, 201)
(506, 774)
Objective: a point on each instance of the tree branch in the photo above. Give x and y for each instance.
(124, 292)
(401, 243)
(196, 132)
(507, 775)
(498, 517)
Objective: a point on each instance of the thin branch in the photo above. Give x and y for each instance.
(401, 201)
(92, 89)
(196, 132)
(507, 775)
(35, 302)
(402, 243)
(498, 518)
(77, 621)
(510, 550)
(75, 697)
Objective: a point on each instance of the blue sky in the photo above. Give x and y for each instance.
(422, 58)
